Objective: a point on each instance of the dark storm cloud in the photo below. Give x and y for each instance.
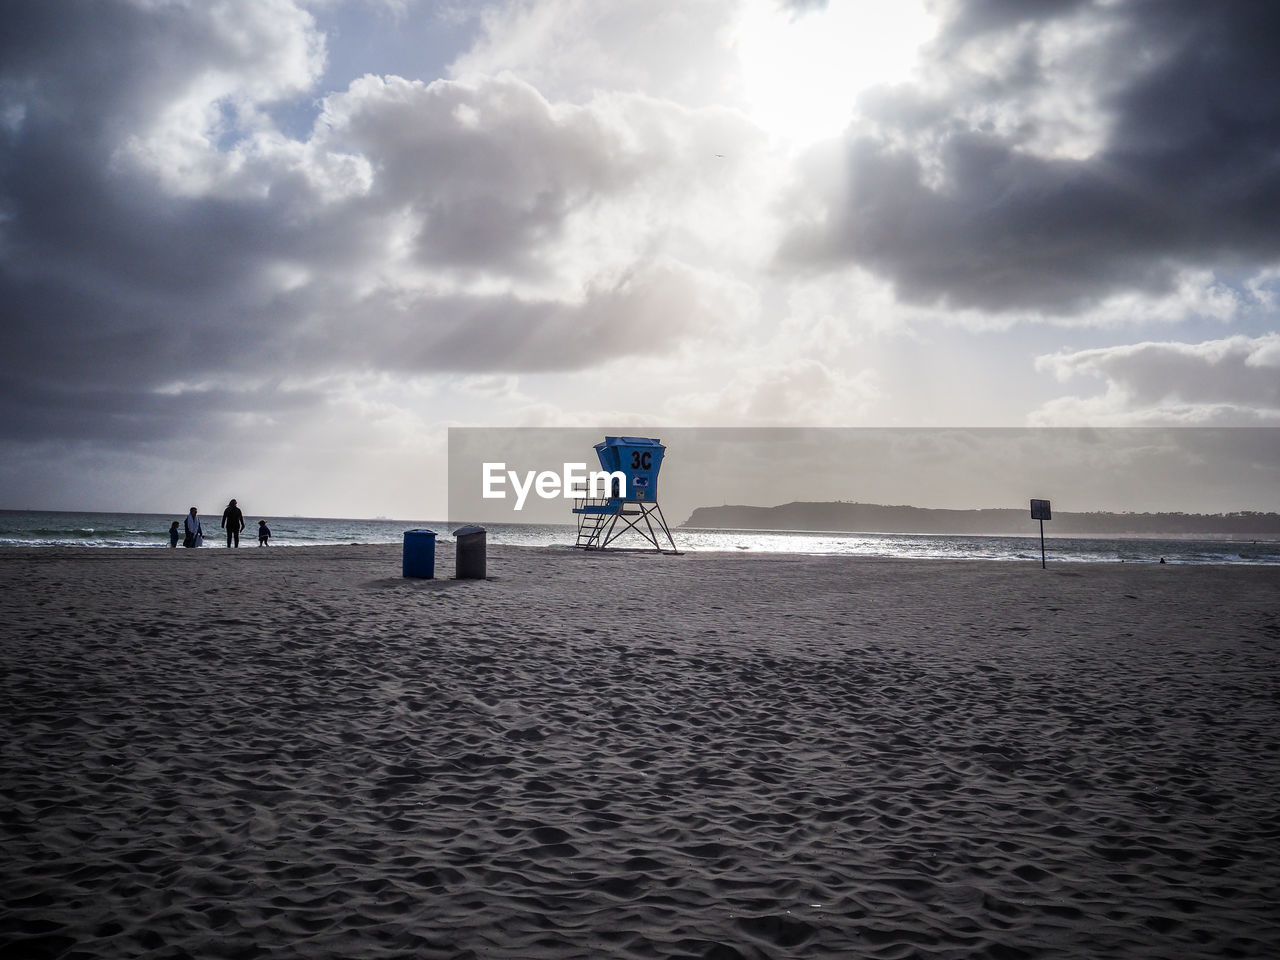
(157, 236)
(961, 209)
(37, 411)
(105, 279)
(972, 18)
(489, 171)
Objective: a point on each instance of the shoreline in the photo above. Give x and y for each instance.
(129, 531)
(445, 547)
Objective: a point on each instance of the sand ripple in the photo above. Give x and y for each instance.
(636, 757)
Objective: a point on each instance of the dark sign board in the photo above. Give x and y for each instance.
(1040, 510)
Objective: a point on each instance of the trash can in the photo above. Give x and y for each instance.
(419, 554)
(469, 552)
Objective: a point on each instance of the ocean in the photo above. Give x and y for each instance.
(20, 528)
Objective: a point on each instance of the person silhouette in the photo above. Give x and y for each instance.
(233, 520)
(191, 527)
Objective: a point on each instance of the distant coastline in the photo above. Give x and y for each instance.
(878, 518)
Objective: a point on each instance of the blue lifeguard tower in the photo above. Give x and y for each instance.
(631, 503)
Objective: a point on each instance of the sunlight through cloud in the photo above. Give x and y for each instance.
(803, 70)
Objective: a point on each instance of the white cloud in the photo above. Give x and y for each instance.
(574, 49)
(227, 63)
(800, 392)
(1232, 380)
(490, 178)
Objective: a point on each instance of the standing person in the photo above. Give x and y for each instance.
(174, 535)
(233, 520)
(191, 525)
(264, 533)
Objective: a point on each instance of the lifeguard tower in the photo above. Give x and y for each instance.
(631, 506)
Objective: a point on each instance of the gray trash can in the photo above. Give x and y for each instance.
(419, 554)
(469, 552)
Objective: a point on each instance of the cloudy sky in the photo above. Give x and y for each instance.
(274, 249)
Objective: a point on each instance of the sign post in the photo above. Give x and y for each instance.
(1040, 511)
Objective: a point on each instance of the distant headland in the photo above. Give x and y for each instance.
(878, 518)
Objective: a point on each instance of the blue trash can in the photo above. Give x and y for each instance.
(469, 552)
(419, 554)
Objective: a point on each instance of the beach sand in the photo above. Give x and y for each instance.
(294, 752)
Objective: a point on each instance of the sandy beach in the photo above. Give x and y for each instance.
(295, 752)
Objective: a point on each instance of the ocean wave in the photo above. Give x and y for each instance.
(36, 529)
